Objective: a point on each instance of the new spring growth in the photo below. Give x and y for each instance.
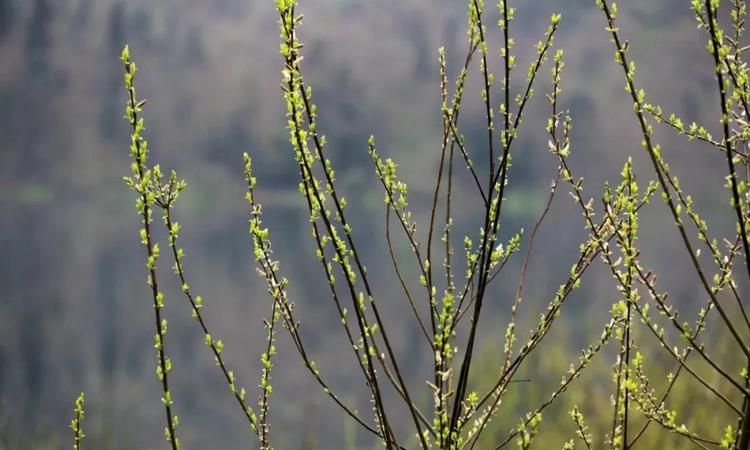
(76, 423)
(146, 183)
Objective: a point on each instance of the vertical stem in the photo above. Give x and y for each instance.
(146, 198)
(744, 442)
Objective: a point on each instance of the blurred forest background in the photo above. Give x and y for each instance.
(74, 309)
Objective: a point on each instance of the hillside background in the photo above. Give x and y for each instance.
(74, 309)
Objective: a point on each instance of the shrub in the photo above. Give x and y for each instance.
(448, 302)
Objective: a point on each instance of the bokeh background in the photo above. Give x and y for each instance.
(75, 313)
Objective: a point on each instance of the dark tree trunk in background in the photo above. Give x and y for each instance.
(6, 18)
